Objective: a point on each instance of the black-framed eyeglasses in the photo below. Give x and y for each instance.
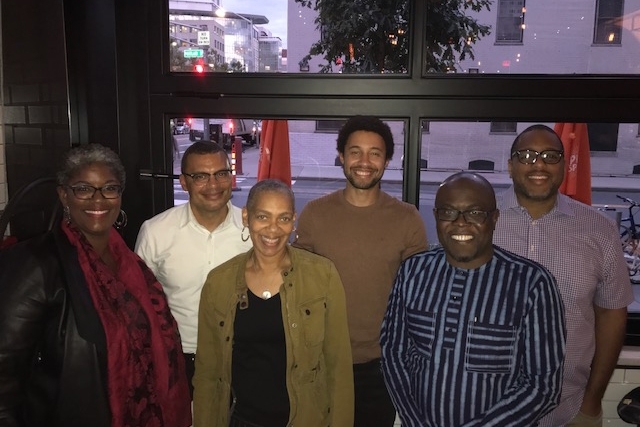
(86, 192)
(201, 178)
(472, 216)
(529, 157)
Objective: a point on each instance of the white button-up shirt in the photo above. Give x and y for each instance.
(181, 253)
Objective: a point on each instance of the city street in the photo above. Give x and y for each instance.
(308, 188)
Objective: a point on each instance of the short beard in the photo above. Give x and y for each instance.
(368, 186)
(522, 191)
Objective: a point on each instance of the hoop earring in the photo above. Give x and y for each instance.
(244, 239)
(121, 221)
(66, 214)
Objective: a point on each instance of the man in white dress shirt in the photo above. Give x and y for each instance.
(184, 243)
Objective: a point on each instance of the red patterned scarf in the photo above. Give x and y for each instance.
(147, 384)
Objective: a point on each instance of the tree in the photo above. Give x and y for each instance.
(370, 36)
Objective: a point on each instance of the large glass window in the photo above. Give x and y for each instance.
(313, 157)
(337, 37)
(441, 124)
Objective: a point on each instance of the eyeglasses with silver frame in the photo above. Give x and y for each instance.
(201, 178)
(472, 216)
(529, 157)
(86, 192)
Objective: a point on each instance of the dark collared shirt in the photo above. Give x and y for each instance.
(480, 347)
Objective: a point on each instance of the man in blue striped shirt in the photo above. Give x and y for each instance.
(473, 335)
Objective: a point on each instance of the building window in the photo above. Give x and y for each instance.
(481, 165)
(329, 125)
(603, 136)
(608, 26)
(510, 22)
(503, 127)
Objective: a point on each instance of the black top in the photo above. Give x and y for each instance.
(259, 363)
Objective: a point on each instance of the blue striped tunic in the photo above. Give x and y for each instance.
(480, 347)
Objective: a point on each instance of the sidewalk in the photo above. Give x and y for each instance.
(251, 156)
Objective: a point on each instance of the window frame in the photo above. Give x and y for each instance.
(412, 97)
(503, 19)
(611, 22)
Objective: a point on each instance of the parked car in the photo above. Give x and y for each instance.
(224, 131)
(180, 126)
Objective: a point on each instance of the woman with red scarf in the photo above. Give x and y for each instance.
(86, 335)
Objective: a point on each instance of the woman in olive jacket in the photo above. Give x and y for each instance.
(314, 356)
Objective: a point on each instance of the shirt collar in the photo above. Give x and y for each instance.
(234, 216)
(510, 201)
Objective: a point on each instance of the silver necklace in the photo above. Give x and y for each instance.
(266, 294)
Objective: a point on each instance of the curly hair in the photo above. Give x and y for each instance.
(368, 124)
(79, 157)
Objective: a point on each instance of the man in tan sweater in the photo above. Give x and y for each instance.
(367, 234)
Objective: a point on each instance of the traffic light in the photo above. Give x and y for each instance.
(199, 66)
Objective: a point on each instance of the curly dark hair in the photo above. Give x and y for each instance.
(79, 157)
(368, 124)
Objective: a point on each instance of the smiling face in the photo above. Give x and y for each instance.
(211, 197)
(536, 185)
(364, 159)
(94, 217)
(270, 222)
(467, 245)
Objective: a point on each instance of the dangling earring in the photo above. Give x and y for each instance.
(121, 221)
(66, 214)
(244, 239)
(295, 235)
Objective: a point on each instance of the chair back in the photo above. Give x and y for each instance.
(33, 209)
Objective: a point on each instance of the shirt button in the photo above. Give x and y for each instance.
(294, 325)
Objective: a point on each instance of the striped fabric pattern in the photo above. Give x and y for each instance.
(479, 347)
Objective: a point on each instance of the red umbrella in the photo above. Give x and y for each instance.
(577, 172)
(275, 159)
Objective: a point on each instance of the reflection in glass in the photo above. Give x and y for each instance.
(551, 37)
(205, 37)
(446, 148)
(334, 36)
(345, 38)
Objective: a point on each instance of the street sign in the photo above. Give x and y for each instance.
(203, 38)
(193, 53)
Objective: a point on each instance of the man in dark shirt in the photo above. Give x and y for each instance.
(473, 335)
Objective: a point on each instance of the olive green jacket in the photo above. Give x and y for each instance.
(319, 365)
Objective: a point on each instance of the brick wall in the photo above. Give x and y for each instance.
(35, 130)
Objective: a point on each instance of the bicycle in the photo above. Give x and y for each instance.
(630, 239)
